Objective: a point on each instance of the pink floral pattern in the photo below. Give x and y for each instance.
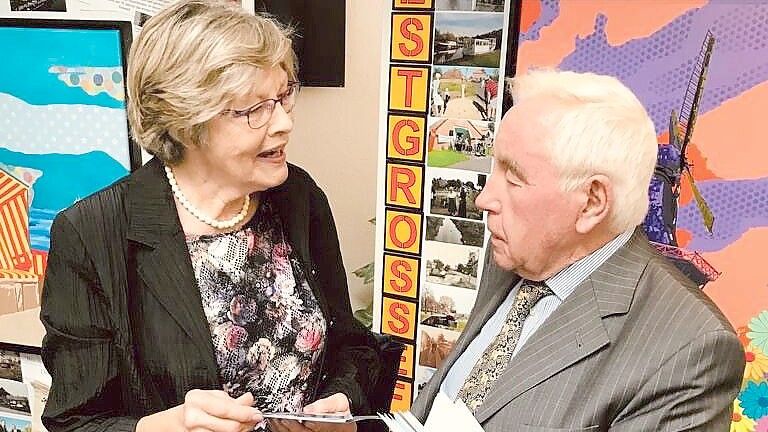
(267, 327)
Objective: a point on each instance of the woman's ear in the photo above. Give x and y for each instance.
(597, 206)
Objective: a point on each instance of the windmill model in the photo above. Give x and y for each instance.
(672, 164)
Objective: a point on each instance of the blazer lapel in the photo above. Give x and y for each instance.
(575, 329)
(162, 258)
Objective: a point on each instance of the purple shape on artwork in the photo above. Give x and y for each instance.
(654, 225)
(738, 205)
(550, 9)
(657, 68)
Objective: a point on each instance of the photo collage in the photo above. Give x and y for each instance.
(463, 113)
(23, 391)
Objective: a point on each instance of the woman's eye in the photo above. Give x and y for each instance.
(261, 109)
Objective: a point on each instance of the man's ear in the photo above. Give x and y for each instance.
(597, 204)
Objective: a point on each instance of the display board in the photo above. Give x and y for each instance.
(439, 115)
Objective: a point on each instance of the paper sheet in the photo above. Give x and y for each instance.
(449, 415)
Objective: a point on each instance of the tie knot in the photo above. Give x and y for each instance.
(534, 291)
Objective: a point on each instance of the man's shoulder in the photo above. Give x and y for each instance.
(670, 295)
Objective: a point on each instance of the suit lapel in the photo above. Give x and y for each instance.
(575, 329)
(162, 258)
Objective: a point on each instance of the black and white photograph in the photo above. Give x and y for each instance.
(468, 39)
(464, 93)
(10, 365)
(423, 375)
(14, 398)
(453, 193)
(470, 5)
(456, 231)
(460, 144)
(38, 5)
(453, 265)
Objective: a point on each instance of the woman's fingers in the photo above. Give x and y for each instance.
(214, 411)
(208, 423)
(336, 404)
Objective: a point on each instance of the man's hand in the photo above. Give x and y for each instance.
(335, 404)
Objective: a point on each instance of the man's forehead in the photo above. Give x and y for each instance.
(519, 134)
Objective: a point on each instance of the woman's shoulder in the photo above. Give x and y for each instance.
(299, 175)
(99, 207)
(298, 181)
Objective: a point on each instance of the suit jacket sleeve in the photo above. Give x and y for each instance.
(78, 349)
(351, 363)
(692, 391)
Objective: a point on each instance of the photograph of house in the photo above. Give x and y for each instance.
(468, 39)
(460, 144)
(14, 398)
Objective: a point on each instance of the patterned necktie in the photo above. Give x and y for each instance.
(494, 360)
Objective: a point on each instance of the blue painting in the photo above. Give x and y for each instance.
(63, 129)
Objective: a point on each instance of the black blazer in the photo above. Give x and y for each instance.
(126, 335)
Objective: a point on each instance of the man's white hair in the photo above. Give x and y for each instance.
(596, 125)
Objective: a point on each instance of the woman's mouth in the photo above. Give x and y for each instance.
(274, 154)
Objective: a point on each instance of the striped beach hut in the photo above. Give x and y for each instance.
(19, 287)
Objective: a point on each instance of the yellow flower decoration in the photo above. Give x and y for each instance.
(757, 365)
(740, 422)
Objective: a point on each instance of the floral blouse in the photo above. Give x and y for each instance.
(267, 326)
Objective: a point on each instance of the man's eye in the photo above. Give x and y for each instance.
(512, 178)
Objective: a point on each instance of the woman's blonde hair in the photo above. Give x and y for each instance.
(189, 63)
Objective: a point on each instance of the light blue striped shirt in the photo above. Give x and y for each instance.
(562, 284)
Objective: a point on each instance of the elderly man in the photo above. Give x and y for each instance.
(579, 324)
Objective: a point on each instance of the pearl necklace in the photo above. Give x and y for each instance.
(198, 214)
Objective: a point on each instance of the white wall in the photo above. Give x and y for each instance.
(336, 135)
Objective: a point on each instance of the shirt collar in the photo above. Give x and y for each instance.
(564, 282)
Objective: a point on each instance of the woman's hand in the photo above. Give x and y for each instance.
(205, 411)
(334, 404)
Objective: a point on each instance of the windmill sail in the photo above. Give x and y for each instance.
(706, 214)
(690, 109)
(688, 115)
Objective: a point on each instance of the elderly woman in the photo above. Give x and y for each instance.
(207, 287)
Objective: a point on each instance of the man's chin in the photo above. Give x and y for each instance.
(502, 260)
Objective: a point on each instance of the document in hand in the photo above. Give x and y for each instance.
(322, 418)
(396, 422)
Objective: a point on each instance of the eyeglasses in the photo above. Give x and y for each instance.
(259, 114)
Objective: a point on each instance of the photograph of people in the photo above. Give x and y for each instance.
(207, 287)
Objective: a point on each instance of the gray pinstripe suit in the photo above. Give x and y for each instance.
(636, 347)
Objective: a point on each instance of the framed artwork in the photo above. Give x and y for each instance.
(63, 135)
